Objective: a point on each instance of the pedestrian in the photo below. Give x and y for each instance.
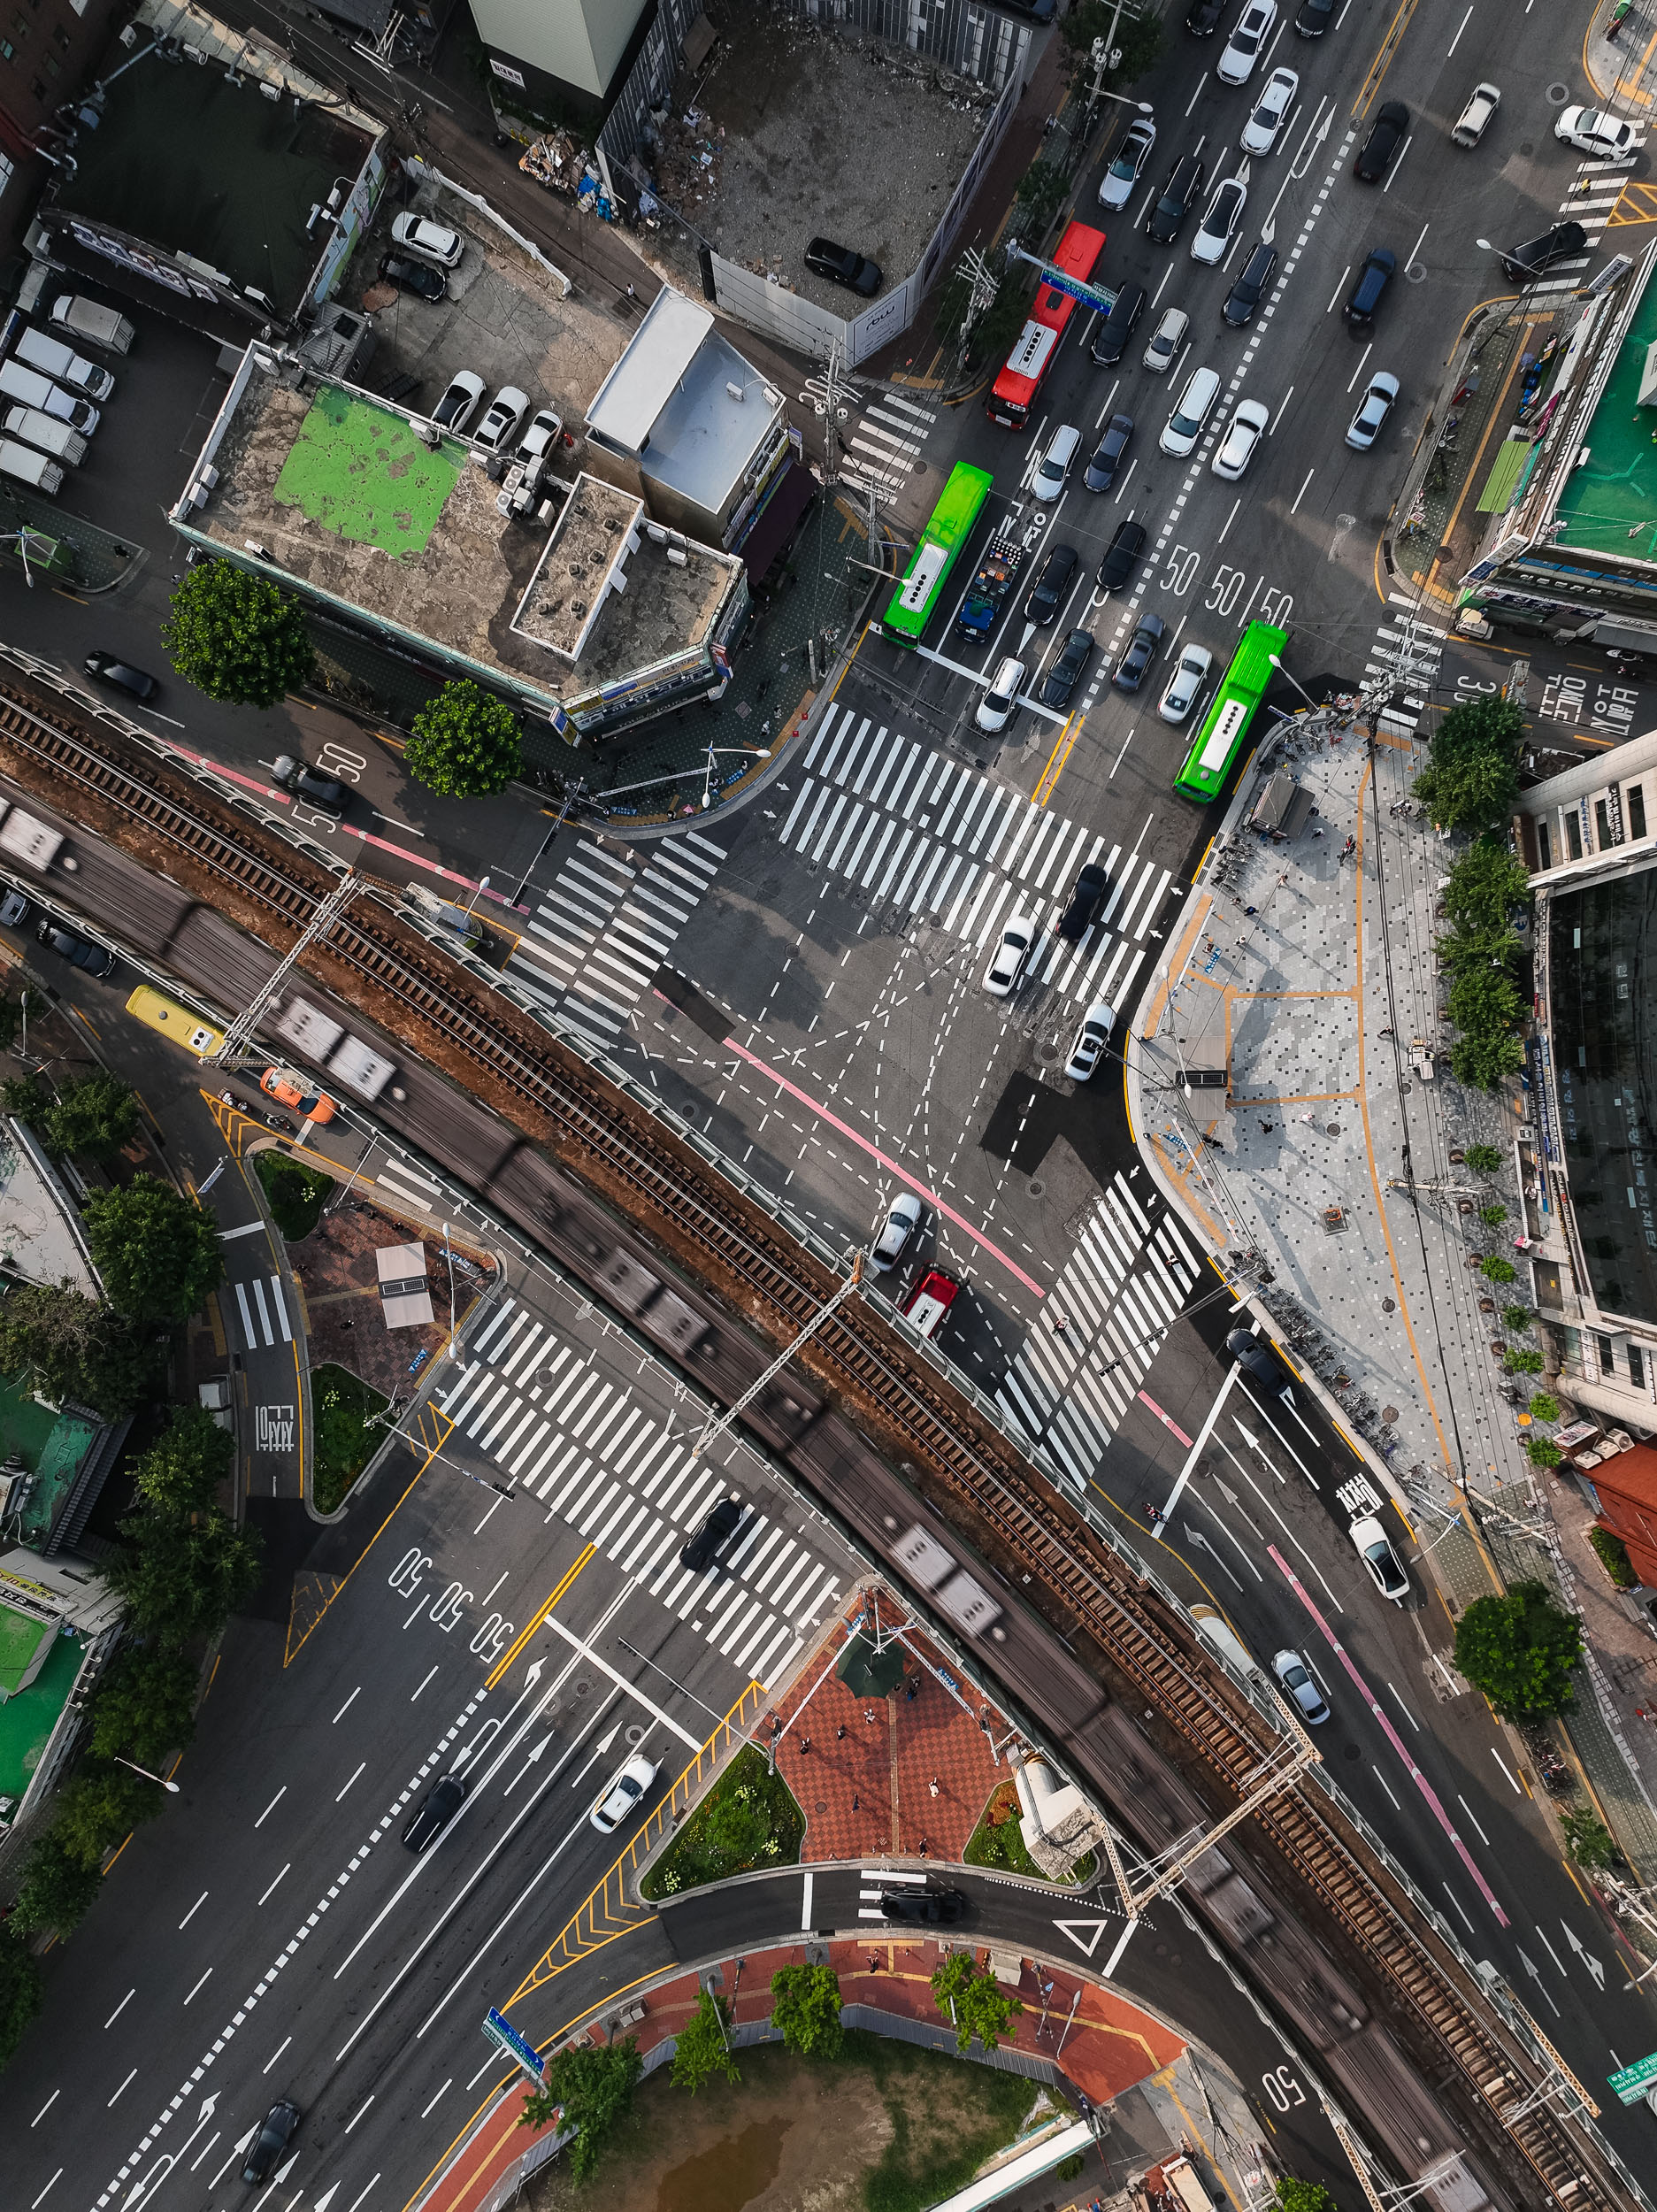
(840, 1731)
(1283, 879)
(1250, 909)
(1386, 1033)
(909, 1689)
(1266, 1128)
(869, 1713)
(922, 1847)
(853, 1804)
(1058, 1323)
(632, 295)
(932, 1786)
(1305, 1117)
(1317, 830)
(874, 1962)
(805, 1745)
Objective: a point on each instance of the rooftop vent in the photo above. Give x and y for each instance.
(679, 556)
(735, 390)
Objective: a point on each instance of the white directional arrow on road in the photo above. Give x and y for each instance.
(1535, 1972)
(606, 1741)
(1254, 1445)
(529, 1761)
(1587, 1957)
(326, 2198)
(1236, 1505)
(163, 2167)
(1198, 1541)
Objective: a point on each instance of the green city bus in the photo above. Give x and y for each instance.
(916, 600)
(1218, 742)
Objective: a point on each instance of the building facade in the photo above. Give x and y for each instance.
(47, 48)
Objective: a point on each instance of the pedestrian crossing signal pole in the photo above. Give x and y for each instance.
(717, 1424)
(826, 396)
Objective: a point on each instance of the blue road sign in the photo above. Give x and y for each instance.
(503, 2034)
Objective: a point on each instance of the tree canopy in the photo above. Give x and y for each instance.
(19, 1989)
(1472, 773)
(1303, 2196)
(99, 1805)
(700, 2049)
(144, 1705)
(158, 1251)
(806, 2010)
(1139, 41)
(236, 636)
(181, 1579)
(1519, 1650)
(93, 1117)
(464, 743)
(181, 1471)
(974, 2001)
(56, 1890)
(591, 2086)
(74, 1348)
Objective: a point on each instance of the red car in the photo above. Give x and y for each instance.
(931, 1300)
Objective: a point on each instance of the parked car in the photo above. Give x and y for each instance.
(1276, 97)
(1101, 473)
(1236, 65)
(459, 402)
(1387, 134)
(1236, 449)
(904, 1216)
(296, 1091)
(1052, 580)
(1179, 195)
(841, 265)
(1537, 256)
(1166, 340)
(1220, 218)
(1202, 17)
(1139, 653)
(1289, 1670)
(499, 427)
(1185, 685)
(1371, 281)
(14, 909)
(995, 708)
(1122, 555)
(1087, 896)
(80, 952)
(1012, 950)
(1066, 669)
(410, 275)
(1115, 188)
(121, 674)
(1112, 332)
(923, 1907)
(1378, 401)
(1369, 1540)
(1474, 120)
(276, 2132)
(545, 427)
(433, 1813)
(296, 776)
(1313, 17)
(1250, 288)
(432, 241)
(1191, 413)
(1253, 1354)
(621, 1800)
(1091, 1040)
(718, 1525)
(1592, 131)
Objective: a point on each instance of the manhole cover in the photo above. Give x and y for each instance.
(1416, 272)
(1527, 146)
(1352, 1752)
(1387, 1306)
(1037, 1188)
(1047, 1049)
(822, 1804)
(1389, 1414)
(1557, 94)
(636, 1734)
(1160, 1950)
(1333, 1128)
(582, 1687)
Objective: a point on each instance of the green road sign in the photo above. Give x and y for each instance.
(1633, 2082)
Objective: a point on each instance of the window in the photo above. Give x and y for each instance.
(1573, 836)
(20, 24)
(1637, 1367)
(7, 167)
(1608, 1356)
(7, 49)
(1601, 827)
(62, 38)
(50, 64)
(1545, 844)
(1637, 810)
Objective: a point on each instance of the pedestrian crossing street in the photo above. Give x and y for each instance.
(262, 1295)
(541, 1410)
(1590, 201)
(1408, 647)
(1121, 1289)
(884, 447)
(604, 926)
(943, 842)
(409, 1185)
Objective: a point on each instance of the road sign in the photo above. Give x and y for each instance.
(1631, 2082)
(525, 2055)
(1101, 296)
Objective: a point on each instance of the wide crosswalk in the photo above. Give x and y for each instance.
(883, 448)
(1121, 1290)
(539, 1409)
(1591, 199)
(604, 925)
(944, 843)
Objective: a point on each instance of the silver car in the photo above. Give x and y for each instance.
(1091, 1040)
(1236, 65)
(1289, 1670)
(621, 1800)
(1166, 340)
(1276, 97)
(1218, 226)
(1369, 1540)
(1116, 188)
(892, 1242)
(1185, 685)
(1010, 955)
(1376, 405)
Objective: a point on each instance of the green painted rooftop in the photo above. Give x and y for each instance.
(26, 1720)
(1610, 505)
(361, 472)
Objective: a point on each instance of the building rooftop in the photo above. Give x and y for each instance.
(584, 562)
(659, 352)
(39, 1237)
(1609, 504)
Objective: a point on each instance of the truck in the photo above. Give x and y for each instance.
(23, 464)
(981, 608)
(97, 326)
(53, 358)
(45, 433)
(1217, 1632)
(29, 389)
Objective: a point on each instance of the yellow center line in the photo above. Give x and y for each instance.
(540, 1614)
(1056, 759)
(1384, 59)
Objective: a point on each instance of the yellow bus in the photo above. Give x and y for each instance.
(183, 1025)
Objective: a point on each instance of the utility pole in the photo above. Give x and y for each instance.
(717, 1424)
(826, 396)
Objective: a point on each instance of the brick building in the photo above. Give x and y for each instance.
(1624, 1490)
(48, 50)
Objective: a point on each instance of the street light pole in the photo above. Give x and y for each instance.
(137, 1768)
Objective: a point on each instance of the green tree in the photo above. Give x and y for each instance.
(236, 637)
(1542, 1451)
(182, 1580)
(25, 1095)
(182, 1469)
(1590, 1841)
(1139, 41)
(1492, 1217)
(95, 1118)
(1303, 2196)
(1472, 774)
(1484, 886)
(591, 2086)
(1486, 1008)
(701, 2049)
(157, 1252)
(464, 743)
(1484, 1159)
(1039, 195)
(19, 1989)
(975, 2002)
(1523, 1362)
(1543, 1406)
(1494, 1268)
(100, 1805)
(1519, 1650)
(1518, 1317)
(807, 2010)
(56, 1890)
(734, 1829)
(144, 1705)
(71, 1347)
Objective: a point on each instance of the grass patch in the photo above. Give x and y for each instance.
(748, 1820)
(996, 1842)
(948, 2115)
(341, 1407)
(295, 1195)
(1612, 1554)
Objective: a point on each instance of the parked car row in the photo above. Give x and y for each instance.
(48, 390)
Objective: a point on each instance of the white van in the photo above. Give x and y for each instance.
(46, 433)
(1195, 404)
(1054, 468)
(72, 370)
(26, 466)
(99, 325)
(30, 388)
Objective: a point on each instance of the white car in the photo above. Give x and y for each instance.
(1376, 406)
(1191, 413)
(1236, 65)
(1236, 449)
(1272, 110)
(1115, 188)
(1474, 119)
(1289, 1670)
(499, 427)
(1369, 1540)
(904, 1216)
(1011, 953)
(1223, 214)
(1166, 340)
(459, 402)
(621, 1800)
(1091, 1040)
(997, 704)
(1593, 132)
(432, 241)
(544, 434)
(1185, 685)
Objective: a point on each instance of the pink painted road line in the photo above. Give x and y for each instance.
(886, 1162)
(1167, 1420)
(1393, 1736)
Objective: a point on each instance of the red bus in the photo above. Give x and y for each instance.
(1013, 393)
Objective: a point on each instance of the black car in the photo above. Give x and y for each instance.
(302, 782)
(276, 2132)
(1250, 288)
(441, 1803)
(1313, 17)
(1202, 18)
(413, 276)
(1387, 134)
(1112, 332)
(1122, 556)
(1180, 195)
(15, 909)
(1086, 898)
(1521, 264)
(1365, 296)
(121, 674)
(718, 1525)
(1101, 470)
(1141, 651)
(1065, 673)
(1253, 1356)
(1046, 595)
(928, 1908)
(79, 952)
(841, 265)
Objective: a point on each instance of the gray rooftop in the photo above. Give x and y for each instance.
(662, 350)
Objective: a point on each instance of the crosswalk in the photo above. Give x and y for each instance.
(1590, 200)
(262, 1295)
(883, 448)
(877, 1880)
(945, 844)
(1121, 1289)
(604, 925)
(1408, 647)
(539, 1409)
(409, 1185)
